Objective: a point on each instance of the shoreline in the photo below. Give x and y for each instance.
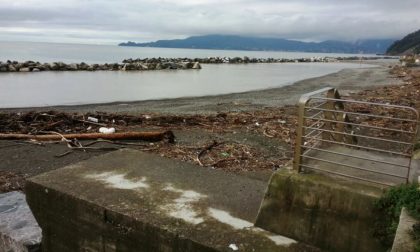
(346, 80)
(258, 138)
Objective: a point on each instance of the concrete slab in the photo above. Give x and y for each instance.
(132, 201)
(375, 167)
(19, 231)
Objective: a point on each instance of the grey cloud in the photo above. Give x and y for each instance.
(110, 21)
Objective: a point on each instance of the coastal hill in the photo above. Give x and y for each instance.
(232, 42)
(408, 44)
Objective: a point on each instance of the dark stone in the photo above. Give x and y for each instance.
(19, 231)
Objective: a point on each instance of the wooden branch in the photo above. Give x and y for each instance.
(206, 149)
(151, 136)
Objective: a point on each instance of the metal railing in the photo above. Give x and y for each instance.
(361, 140)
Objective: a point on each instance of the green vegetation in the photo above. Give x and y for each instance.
(388, 209)
(417, 146)
(409, 44)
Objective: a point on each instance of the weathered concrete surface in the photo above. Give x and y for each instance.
(399, 173)
(19, 231)
(403, 241)
(131, 201)
(326, 212)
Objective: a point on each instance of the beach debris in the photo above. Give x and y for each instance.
(92, 119)
(240, 156)
(233, 247)
(10, 181)
(145, 136)
(105, 130)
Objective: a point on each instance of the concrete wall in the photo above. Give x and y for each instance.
(69, 224)
(329, 213)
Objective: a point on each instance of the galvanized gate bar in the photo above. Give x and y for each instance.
(330, 123)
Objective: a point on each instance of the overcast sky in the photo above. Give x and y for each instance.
(110, 22)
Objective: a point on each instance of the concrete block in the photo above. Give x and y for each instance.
(19, 231)
(403, 241)
(329, 213)
(128, 200)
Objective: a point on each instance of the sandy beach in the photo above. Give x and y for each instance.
(346, 80)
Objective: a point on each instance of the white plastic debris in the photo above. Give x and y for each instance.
(233, 247)
(257, 124)
(93, 119)
(147, 117)
(106, 130)
(282, 121)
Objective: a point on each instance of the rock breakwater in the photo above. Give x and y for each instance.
(233, 60)
(153, 64)
(158, 63)
(246, 60)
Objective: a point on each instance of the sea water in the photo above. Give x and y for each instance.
(73, 88)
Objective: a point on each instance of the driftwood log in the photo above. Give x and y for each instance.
(151, 136)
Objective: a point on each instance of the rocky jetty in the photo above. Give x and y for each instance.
(158, 63)
(246, 60)
(232, 60)
(152, 64)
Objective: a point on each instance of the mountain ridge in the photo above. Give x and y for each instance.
(233, 42)
(409, 44)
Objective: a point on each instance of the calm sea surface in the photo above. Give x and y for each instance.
(70, 88)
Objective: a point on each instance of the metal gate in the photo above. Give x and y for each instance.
(367, 141)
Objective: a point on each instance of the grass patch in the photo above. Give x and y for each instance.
(388, 209)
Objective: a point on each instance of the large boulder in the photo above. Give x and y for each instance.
(11, 68)
(24, 69)
(72, 67)
(128, 67)
(158, 66)
(83, 66)
(19, 231)
(196, 65)
(54, 66)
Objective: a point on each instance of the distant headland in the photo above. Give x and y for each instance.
(233, 42)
